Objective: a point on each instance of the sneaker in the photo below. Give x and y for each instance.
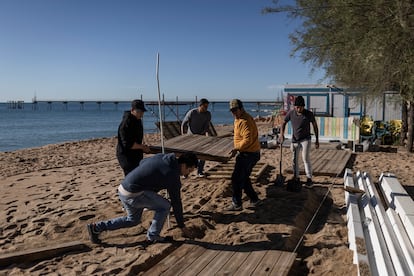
(256, 203)
(93, 233)
(159, 239)
(233, 207)
(201, 175)
(309, 183)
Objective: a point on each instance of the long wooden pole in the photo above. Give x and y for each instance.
(161, 127)
(159, 103)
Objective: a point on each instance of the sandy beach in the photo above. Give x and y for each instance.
(50, 193)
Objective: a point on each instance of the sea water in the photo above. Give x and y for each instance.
(37, 125)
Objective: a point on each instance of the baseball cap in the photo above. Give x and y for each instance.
(235, 103)
(138, 104)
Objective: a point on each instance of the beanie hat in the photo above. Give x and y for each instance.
(203, 101)
(299, 101)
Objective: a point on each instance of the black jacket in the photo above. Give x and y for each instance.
(130, 130)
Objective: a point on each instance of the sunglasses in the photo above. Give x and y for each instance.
(233, 110)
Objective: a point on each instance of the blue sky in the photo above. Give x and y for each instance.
(107, 49)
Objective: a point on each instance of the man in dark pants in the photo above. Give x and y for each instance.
(247, 148)
(140, 189)
(130, 149)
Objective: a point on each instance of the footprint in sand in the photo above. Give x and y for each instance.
(86, 217)
(204, 200)
(66, 197)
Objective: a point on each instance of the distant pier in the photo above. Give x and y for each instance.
(152, 106)
(15, 105)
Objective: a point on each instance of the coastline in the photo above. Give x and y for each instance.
(51, 192)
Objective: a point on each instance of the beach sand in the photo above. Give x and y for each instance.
(49, 194)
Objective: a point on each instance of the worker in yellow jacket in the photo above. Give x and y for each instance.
(247, 151)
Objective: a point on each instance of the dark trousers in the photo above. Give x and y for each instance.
(200, 166)
(128, 164)
(240, 179)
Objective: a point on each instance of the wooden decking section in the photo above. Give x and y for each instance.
(172, 129)
(324, 162)
(205, 147)
(190, 259)
(41, 253)
(224, 170)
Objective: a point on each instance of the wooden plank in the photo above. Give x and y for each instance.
(251, 263)
(235, 261)
(326, 162)
(190, 259)
(172, 129)
(186, 262)
(283, 264)
(219, 261)
(205, 147)
(267, 263)
(41, 253)
(200, 263)
(170, 260)
(225, 170)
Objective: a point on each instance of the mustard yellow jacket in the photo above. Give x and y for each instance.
(246, 136)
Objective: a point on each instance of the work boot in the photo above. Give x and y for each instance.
(234, 207)
(159, 239)
(93, 233)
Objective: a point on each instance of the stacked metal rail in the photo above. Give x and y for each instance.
(380, 224)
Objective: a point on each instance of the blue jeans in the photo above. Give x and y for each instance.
(134, 205)
(240, 179)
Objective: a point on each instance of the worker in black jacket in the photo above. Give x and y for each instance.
(130, 149)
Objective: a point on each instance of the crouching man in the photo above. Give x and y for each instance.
(140, 189)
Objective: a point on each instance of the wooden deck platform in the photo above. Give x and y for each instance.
(205, 147)
(324, 162)
(190, 259)
(225, 170)
(172, 129)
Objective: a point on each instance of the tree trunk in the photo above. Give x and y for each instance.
(404, 119)
(410, 126)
